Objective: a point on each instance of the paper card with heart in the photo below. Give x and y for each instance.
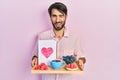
(46, 51)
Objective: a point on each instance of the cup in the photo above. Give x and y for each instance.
(56, 64)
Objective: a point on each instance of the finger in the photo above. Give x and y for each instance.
(81, 67)
(34, 62)
(81, 64)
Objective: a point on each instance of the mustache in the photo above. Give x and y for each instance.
(58, 22)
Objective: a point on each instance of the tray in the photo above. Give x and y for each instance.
(59, 71)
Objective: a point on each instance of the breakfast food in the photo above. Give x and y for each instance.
(42, 66)
(70, 62)
(69, 59)
(71, 67)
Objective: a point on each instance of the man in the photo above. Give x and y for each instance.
(67, 42)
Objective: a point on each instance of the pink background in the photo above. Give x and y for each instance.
(97, 22)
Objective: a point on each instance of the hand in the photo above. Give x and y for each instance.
(34, 61)
(81, 64)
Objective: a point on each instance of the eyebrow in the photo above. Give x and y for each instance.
(56, 15)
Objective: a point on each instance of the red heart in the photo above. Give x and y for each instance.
(47, 51)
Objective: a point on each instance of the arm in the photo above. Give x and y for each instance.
(81, 60)
(35, 55)
(34, 61)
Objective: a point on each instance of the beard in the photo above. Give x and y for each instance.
(58, 28)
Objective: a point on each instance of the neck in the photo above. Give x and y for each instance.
(59, 34)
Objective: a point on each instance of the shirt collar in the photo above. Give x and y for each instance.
(66, 33)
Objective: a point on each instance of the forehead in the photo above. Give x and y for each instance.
(56, 12)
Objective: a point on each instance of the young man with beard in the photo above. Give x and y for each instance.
(67, 42)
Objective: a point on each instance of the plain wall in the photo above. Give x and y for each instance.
(96, 21)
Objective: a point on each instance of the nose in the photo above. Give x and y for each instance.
(57, 19)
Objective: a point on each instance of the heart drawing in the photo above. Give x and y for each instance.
(47, 51)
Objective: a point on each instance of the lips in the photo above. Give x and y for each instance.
(58, 24)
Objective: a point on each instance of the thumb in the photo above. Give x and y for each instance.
(81, 64)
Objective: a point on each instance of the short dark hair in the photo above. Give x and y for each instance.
(59, 6)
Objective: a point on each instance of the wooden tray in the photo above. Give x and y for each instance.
(59, 71)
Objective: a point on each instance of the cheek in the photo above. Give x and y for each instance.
(53, 20)
(64, 19)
